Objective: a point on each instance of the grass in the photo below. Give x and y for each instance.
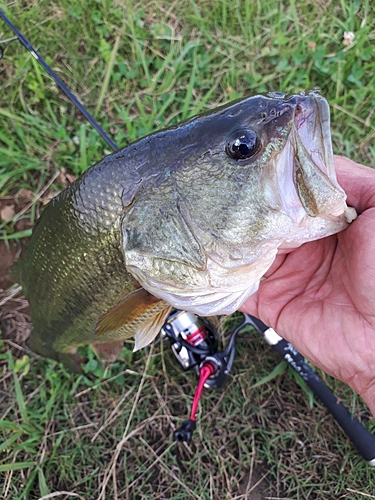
(138, 67)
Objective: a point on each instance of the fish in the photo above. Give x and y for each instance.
(190, 217)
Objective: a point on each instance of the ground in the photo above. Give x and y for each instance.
(15, 322)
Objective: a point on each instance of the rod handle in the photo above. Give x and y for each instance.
(362, 439)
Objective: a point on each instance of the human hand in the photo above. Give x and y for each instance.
(321, 296)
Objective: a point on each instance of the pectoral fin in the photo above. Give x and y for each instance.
(149, 331)
(137, 312)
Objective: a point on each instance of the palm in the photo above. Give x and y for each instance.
(321, 296)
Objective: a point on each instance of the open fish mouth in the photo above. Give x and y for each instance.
(312, 127)
(308, 158)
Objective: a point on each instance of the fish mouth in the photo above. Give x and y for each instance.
(312, 130)
(307, 158)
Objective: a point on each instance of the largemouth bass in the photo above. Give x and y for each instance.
(190, 217)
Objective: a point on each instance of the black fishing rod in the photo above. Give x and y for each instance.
(25, 42)
(362, 439)
(194, 343)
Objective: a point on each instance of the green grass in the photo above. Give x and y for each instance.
(139, 67)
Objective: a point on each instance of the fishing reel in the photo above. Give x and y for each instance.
(195, 345)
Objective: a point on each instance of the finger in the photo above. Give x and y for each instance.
(358, 181)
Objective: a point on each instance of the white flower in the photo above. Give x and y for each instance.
(348, 37)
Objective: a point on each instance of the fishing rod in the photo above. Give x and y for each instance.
(195, 344)
(25, 42)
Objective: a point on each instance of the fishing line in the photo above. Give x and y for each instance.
(194, 342)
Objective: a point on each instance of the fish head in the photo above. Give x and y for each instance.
(229, 189)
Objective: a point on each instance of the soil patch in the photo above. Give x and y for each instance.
(253, 485)
(15, 324)
(7, 256)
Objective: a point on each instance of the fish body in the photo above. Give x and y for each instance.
(189, 217)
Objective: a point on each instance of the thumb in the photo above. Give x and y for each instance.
(358, 181)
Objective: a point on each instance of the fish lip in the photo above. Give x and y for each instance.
(314, 175)
(312, 125)
(308, 116)
(309, 142)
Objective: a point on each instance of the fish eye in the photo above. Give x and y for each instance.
(243, 145)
